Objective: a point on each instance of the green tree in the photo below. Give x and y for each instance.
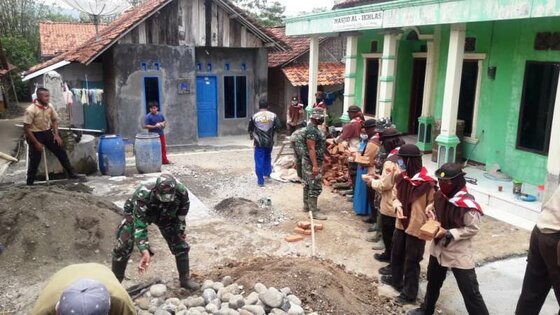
(267, 13)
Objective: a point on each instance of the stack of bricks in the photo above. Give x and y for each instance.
(335, 165)
(302, 229)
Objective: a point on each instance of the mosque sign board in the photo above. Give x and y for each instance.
(358, 21)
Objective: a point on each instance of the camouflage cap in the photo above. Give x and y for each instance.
(164, 189)
(318, 113)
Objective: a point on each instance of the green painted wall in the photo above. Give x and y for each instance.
(508, 45)
(364, 46)
(403, 86)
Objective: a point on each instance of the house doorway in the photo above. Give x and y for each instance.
(467, 96)
(416, 94)
(207, 106)
(151, 92)
(371, 86)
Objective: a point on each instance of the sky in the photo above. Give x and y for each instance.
(293, 7)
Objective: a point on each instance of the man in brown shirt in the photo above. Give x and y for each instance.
(40, 125)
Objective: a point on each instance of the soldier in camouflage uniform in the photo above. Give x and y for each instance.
(298, 144)
(164, 202)
(312, 163)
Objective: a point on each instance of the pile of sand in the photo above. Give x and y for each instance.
(54, 225)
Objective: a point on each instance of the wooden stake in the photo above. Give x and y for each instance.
(312, 234)
(46, 167)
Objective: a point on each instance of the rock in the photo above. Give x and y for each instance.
(260, 288)
(209, 295)
(207, 284)
(286, 291)
(277, 311)
(296, 310)
(236, 302)
(211, 308)
(193, 301)
(181, 307)
(216, 302)
(254, 309)
(200, 309)
(183, 312)
(224, 305)
(143, 303)
(169, 308)
(285, 305)
(226, 297)
(155, 304)
(227, 280)
(174, 301)
(252, 298)
(143, 312)
(158, 290)
(217, 286)
(193, 312)
(272, 297)
(244, 312)
(161, 312)
(152, 309)
(294, 300)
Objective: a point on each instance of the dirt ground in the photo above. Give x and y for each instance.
(246, 242)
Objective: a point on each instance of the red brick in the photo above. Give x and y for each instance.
(306, 225)
(318, 226)
(299, 230)
(293, 238)
(306, 232)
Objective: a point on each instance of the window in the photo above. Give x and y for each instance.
(235, 96)
(537, 106)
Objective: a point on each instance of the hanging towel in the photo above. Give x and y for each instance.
(84, 97)
(100, 96)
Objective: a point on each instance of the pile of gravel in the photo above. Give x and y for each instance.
(222, 298)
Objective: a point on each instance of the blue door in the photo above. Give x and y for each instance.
(207, 106)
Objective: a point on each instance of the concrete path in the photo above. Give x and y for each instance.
(500, 285)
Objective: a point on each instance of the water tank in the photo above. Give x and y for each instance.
(147, 150)
(111, 153)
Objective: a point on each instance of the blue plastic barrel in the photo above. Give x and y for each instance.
(147, 150)
(112, 159)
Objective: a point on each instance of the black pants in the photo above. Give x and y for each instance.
(466, 280)
(387, 231)
(373, 205)
(47, 139)
(353, 172)
(405, 262)
(542, 273)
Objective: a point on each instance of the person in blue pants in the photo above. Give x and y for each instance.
(262, 128)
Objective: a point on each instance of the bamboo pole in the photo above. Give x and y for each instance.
(312, 234)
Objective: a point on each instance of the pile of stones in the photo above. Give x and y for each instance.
(222, 298)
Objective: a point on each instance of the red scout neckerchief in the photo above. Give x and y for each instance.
(41, 106)
(463, 199)
(420, 178)
(394, 152)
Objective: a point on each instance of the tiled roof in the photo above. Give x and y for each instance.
(296, 46)
(330, 73)
(3, 70)
(356, 3)
(57, 38)
(93, 47)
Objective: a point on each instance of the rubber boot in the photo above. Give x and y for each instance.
(305, 199)
(317, 215)
(184, 274)
(119, 267)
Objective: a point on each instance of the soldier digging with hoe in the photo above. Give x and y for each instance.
(164, 202)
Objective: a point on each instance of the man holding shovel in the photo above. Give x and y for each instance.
(40, 125)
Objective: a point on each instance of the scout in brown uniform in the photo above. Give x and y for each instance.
(384, 186)
(459, 215)
(372, 149)
(413, 192)
(40, 125)
(543, 262)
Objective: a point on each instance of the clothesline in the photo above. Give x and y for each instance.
(87, 96)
